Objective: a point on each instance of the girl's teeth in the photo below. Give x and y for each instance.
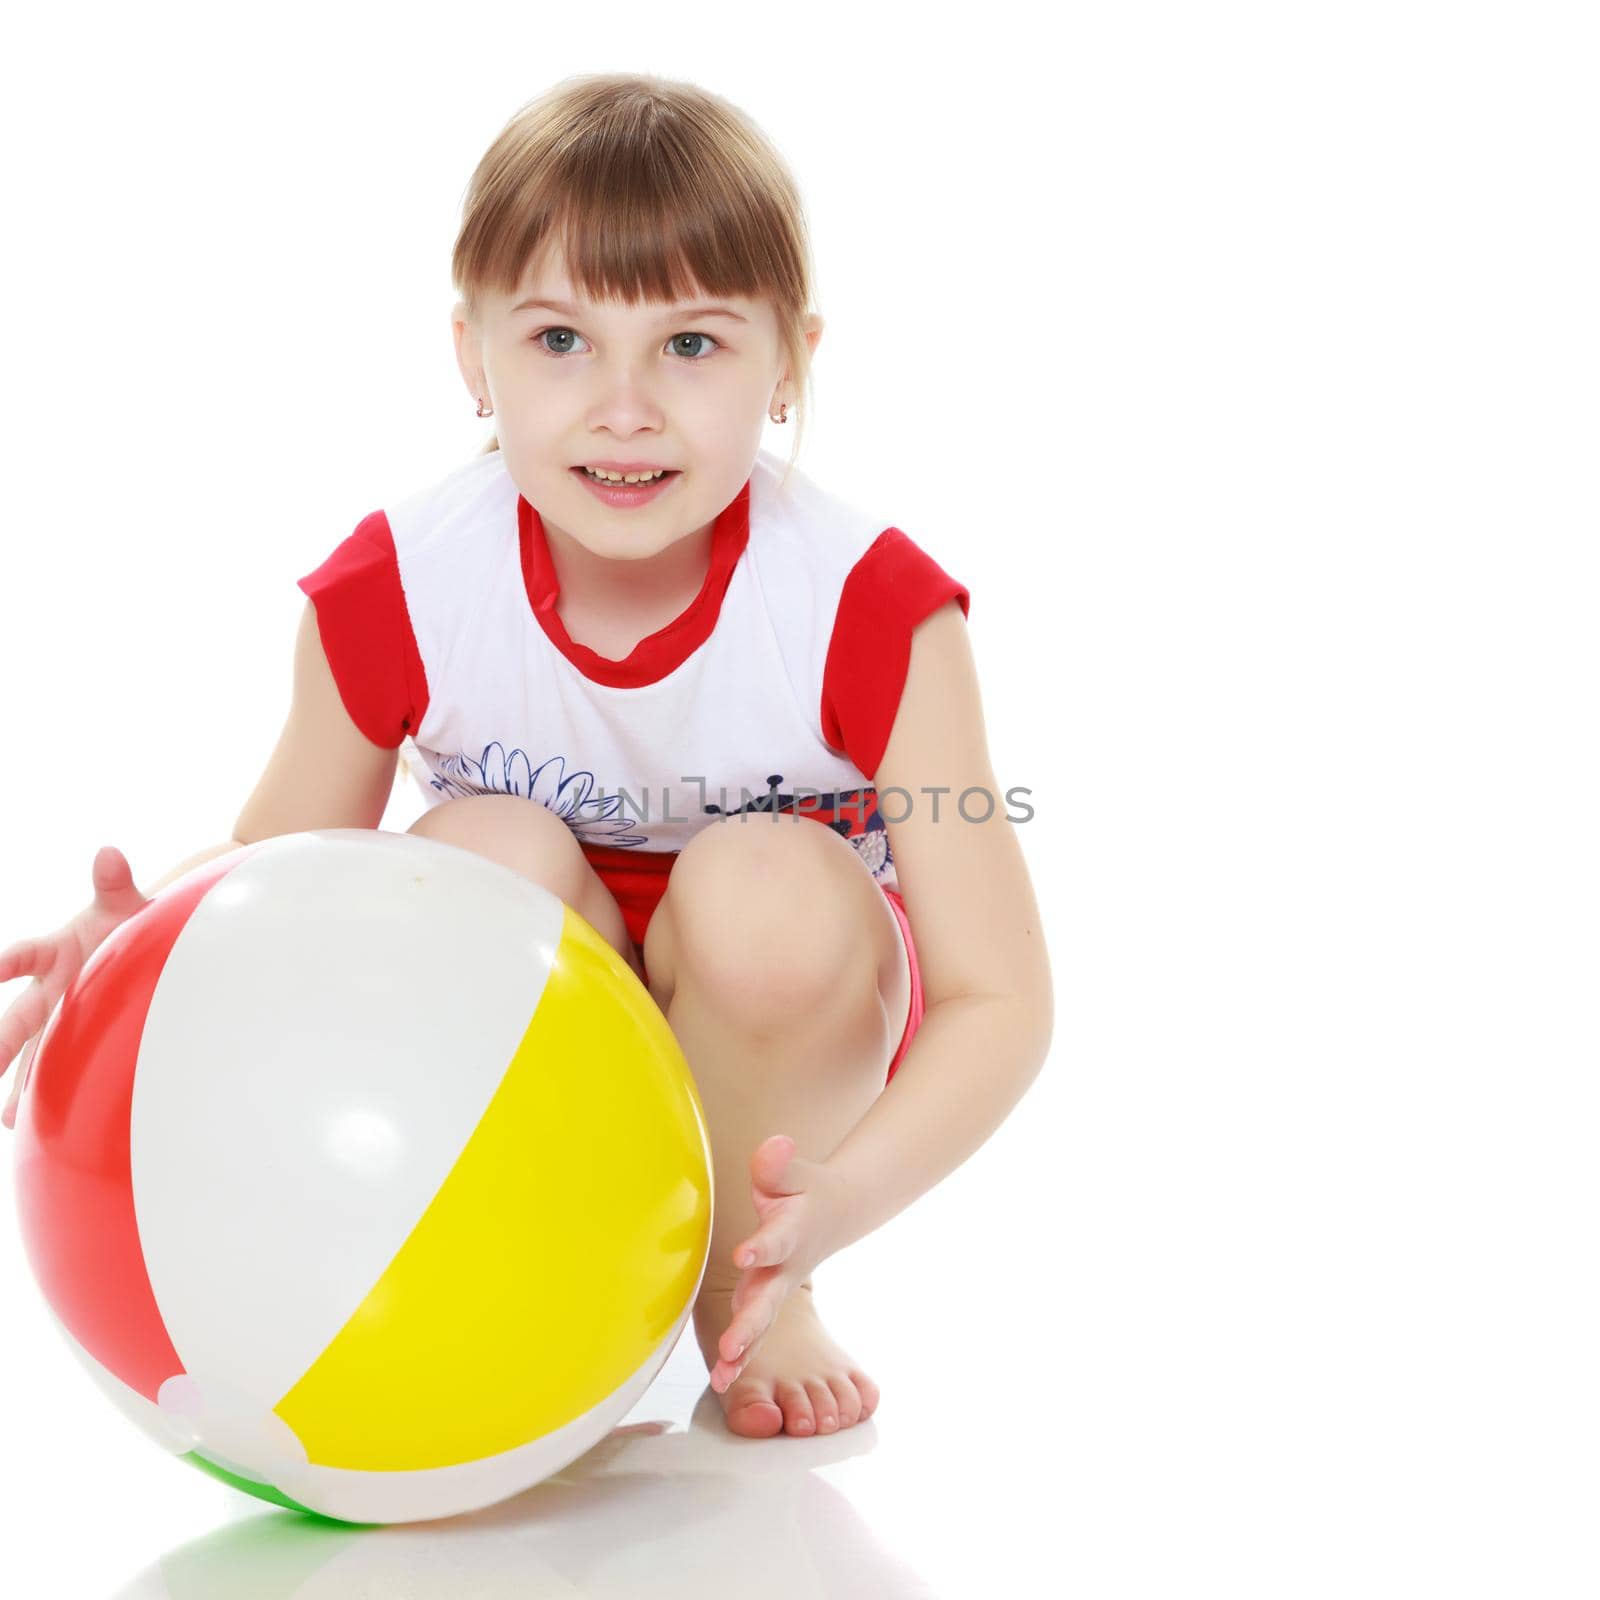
(616, 477)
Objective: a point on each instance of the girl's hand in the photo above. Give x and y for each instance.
(55, 959)
(800, 1204)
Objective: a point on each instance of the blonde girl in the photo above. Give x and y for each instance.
(628, 652)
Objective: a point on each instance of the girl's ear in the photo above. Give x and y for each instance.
(469, 349)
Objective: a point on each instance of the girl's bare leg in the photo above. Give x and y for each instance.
(782, 973)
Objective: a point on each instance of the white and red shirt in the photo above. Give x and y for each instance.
(776, 689)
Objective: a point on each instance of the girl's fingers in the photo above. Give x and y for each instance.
(23, 1021)
(749, 1324)
(110, 868)
(8, 1118)
(35, 956)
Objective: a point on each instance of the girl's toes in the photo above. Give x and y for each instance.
(751, 1410)
(798, 1416)
(846, 1398)
(868, 1391)
(824, 1405)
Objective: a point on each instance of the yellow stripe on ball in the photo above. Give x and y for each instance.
(563, 1246)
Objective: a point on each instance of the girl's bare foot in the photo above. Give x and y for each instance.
(797, 1379)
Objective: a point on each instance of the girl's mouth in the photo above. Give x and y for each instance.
(626, 494)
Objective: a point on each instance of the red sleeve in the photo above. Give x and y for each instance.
(366, 633)
(888, 592)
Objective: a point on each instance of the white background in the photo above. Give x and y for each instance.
(1242, 359)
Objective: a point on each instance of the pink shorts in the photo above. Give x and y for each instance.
(914, 1016)
(638, 879)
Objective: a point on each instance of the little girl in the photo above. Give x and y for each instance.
(628, 652)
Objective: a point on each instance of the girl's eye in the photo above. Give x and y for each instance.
(704, 338)
(571, 333)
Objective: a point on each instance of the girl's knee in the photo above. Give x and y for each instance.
(531, 839)
(774, 928)
(520, 834)
(490, 816)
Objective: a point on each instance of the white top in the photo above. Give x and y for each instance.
(777, 685)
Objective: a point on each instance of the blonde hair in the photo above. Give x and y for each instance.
(652, 187)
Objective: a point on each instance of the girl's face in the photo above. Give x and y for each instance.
(576, 381)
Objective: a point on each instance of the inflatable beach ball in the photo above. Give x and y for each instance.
(362, 1173)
